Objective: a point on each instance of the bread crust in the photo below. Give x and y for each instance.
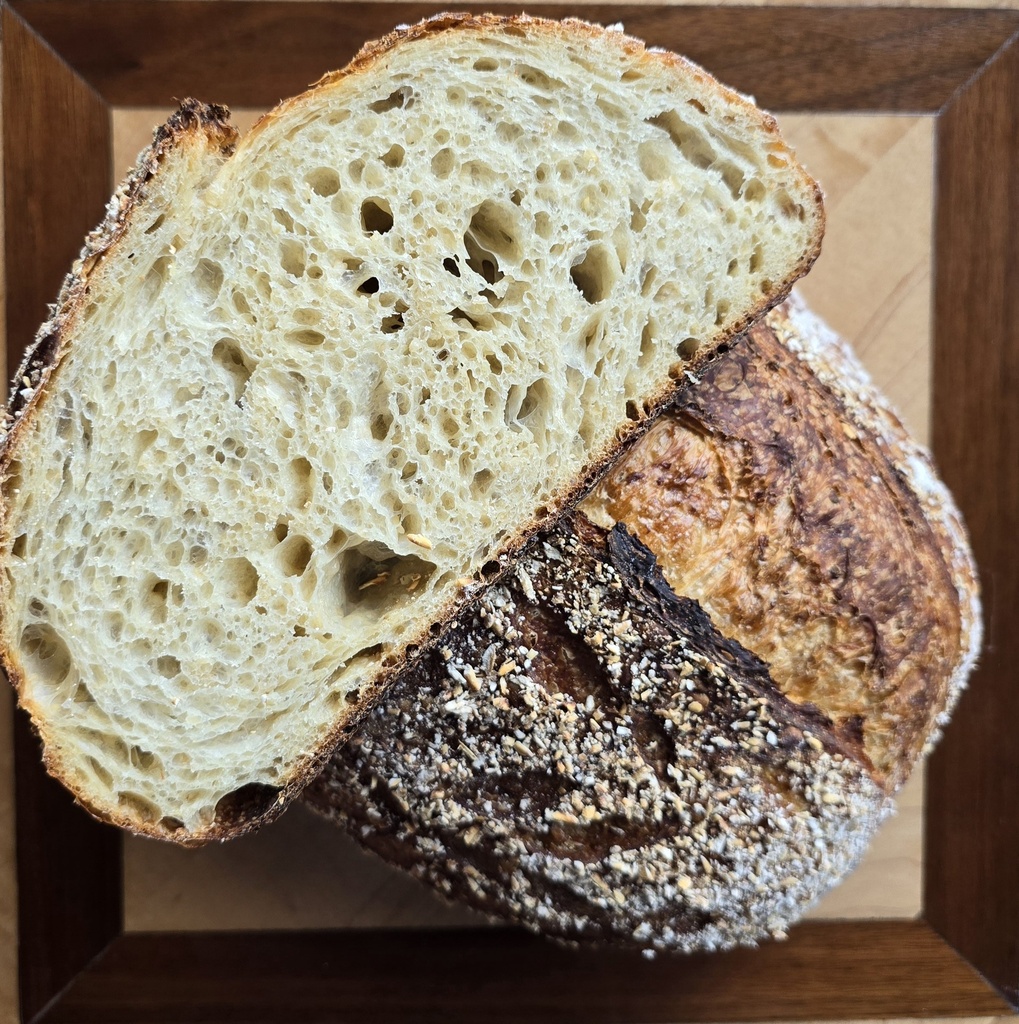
(204, 125)
(591, 758)
(826, 523)
(779, 465)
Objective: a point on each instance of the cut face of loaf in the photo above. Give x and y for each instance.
(301, 386)
(601, 760)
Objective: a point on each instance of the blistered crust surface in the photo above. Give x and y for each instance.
(588, 756)
(800, 522)
(205, 578)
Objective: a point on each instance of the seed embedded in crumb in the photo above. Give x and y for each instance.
(420, 540)
(375, 581)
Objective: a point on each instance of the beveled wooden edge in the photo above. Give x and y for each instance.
(254, 52)
(972, 820)
(852, 969)
(69, 868)
(56, 143)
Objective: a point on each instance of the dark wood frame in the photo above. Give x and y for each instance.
(67, 62)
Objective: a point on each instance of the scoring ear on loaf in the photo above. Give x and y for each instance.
(307, 390)
(600, 759)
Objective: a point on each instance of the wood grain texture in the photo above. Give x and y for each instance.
(69, 880)
(861, 969)
(56, 142)
(872, 282)
(8, 873)
(972, 890)
(68, 867)
(254, 53)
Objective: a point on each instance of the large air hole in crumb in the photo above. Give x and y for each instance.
(376, 216)
(284, 218)
(46, 655)
(144, 440)
(399, 98)
(528, 406)
(443, 163)
(154, 596)
(393, 157)
(300, 482)
(536, 78)
(732, 176)
(208, 279)
(306, 337)
(324, 181)
(393, 323)
(595, 274)
(688, 348)
(101, 774)
(692, 143)
(493, 233)
(155, 278)
(294, 555)
(235, 365)
(144, 760)
(237, 581)
(138, 808)
(508, 132)
(371, 576)
(482, 482)
(381, 423)
(464, 319)
(292, 258)
(754, 191)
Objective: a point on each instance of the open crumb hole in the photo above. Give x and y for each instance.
(376, 216)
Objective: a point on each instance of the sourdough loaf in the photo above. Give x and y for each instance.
(600, 759)
(301, 386)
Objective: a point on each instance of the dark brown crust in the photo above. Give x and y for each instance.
(590, 757)
(197, 120)
(767, 498)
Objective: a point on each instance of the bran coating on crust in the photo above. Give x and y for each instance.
(589, 757)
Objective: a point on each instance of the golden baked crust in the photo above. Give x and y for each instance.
(768, 499)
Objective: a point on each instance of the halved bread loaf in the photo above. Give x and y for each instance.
(302, 385)
(600, 759)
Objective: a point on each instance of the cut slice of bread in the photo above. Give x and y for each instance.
(301, 386)
(601, 760)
